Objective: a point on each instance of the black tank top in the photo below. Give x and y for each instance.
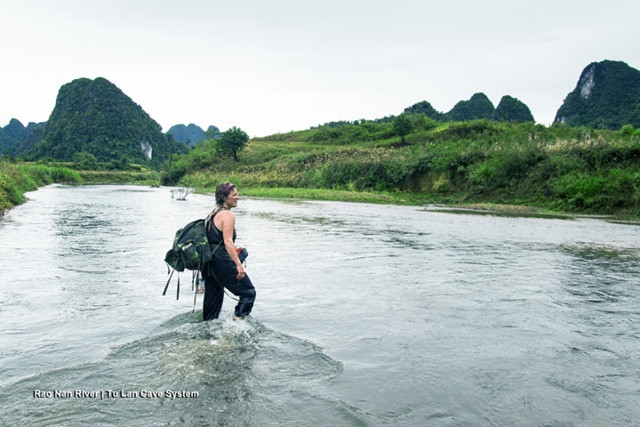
(215, 236)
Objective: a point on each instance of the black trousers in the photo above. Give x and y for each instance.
(220, 274)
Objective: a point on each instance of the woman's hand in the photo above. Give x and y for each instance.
(241, 272)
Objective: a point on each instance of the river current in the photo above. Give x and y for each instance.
(366, 315)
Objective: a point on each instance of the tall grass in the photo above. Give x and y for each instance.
(18, 178)
(558, 167)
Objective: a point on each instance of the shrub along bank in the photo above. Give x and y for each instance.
(18, 178)
(560, 168)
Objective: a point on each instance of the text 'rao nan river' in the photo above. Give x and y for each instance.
(115, 394)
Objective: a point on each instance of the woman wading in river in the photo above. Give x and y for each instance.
(225, 270)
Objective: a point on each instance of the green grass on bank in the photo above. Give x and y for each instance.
(557, 168)
(21, 177)
(18, 178)
(318, 194)
(506, 166)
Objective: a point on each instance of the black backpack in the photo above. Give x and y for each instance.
(191, 250)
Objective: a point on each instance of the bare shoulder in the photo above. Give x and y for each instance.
(225, 216)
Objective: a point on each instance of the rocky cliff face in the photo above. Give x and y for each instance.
(607, 96)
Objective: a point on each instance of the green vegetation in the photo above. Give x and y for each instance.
(18, 178)
(477, 107)
(472, 155)
(96, 117)
(16, 138)
(402, 126)
(483, 162)
(607, 96)
(189, 135)
(12, 134)
(192, 134)
(558, 168)
(512, 110)
(232, 141)
(425, 108)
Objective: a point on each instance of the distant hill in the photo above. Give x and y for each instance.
(423, 107)
(11, 134)
(477, 107)
(15, 136)
(34, 132)
(189, 135)
(192, 134)
(512, 110)
(96, 117)
(607, 96)
(212, 132)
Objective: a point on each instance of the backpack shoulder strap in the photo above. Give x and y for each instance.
(209, 221)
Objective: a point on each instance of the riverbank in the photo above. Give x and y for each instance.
(25, 184)
(558, 169)
(429, 203)
(20, 177)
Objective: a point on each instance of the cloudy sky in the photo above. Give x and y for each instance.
(281, 65)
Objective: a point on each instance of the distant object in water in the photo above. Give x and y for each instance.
(181, 193)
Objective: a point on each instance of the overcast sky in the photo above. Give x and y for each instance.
(281, 65)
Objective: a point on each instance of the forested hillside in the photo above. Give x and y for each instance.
(15, 138)
(97, 118)
(607, 96)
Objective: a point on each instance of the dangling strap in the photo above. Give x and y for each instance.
(195, 294)
(222, 287)
(178, 289)
(167, 285)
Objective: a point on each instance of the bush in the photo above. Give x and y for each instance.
(627, 130)
(173, 175)
(606, 192)
(18, 178)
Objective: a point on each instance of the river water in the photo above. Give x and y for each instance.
(365, 315)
